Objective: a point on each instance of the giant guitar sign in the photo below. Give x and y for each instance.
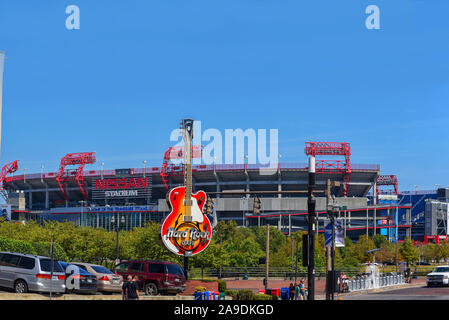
(186, 231)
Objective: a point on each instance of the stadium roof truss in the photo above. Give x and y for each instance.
(332, 166)
(74, 159)
(7, 169)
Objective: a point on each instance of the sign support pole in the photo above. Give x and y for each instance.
(311, 230)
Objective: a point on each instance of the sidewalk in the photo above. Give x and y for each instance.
(320, 286)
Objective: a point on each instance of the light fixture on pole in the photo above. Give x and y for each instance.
(102, 165)
(118, 223)
(144, 167)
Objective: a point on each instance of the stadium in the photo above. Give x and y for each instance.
(137, 195)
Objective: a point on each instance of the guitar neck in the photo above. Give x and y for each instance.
(188, 136)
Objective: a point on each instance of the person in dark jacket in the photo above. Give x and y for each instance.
(125, 287)
(291, 291)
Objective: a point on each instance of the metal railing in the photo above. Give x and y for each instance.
(373, 282)
(285, 273)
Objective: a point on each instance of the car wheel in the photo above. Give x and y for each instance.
(151, 289)
(20, 286)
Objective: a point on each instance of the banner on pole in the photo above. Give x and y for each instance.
(339, 233)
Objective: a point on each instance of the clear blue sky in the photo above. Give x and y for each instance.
(311, 69)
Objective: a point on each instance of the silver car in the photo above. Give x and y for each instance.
(25, 272)
(107, 281)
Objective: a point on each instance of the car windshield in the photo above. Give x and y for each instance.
(46, 265)
(101, 269)
(441, 269)
(81, 270)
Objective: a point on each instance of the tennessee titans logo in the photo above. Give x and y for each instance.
(4, 214)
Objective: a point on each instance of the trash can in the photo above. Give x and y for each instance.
(222, 296)
(198, 295)
(261, 291)
(285, 293)
(276, 292)
(268, 291)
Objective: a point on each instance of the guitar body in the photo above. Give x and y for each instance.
(186, 234)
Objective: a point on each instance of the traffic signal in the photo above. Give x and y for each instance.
(209, 206)
(256, 205)
(305, 250)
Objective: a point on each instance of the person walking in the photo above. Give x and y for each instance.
(302, 290)
(133, 289)
(125, 287)
(297, 290)
(291, 291)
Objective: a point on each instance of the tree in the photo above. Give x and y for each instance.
(379, 240)
(408, 251)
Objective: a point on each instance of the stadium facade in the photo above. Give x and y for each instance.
(138, 195)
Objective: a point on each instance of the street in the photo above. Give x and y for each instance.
(413, 293)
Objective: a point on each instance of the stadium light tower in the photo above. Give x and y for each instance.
(2, 61)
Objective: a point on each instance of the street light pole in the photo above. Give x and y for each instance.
(311, 230)
(118, 224)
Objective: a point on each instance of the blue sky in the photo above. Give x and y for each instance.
(310, 69)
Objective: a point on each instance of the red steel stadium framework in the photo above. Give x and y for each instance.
(332, 166)
(168, 169)
(74, 159)
(7, 169)
(387, 180)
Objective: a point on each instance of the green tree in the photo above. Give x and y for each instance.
(408, 251)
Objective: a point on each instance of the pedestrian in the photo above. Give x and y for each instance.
(291, 291)
(297, 289)
(125, 287)
(133, 289)
(302, 290)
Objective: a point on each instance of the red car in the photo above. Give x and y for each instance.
(154, 276)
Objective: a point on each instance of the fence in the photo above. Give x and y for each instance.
(285, 273)
(367, 282)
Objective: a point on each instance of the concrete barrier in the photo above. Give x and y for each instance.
(37, 296)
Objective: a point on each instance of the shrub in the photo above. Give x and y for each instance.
(245, 294)
(262, 297)
(232, 293)
(222, 286)
(19, 246)
(200, 289)
(43, 249)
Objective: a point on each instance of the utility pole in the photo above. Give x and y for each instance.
(328, 251)
(2, 61)
(267, 249)
(397, 238)
(311, 229)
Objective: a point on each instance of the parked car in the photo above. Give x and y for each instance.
(107, 281)
(87, 281)
(439, 276)
(423, 263)
(154, 276)
(25, 272)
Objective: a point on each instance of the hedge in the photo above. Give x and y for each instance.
(43, 249)
(19, 246)
(245, 294)
(222, 286)
(34, 248)
(264, 297)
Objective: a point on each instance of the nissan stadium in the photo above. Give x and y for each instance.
(138, 195)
